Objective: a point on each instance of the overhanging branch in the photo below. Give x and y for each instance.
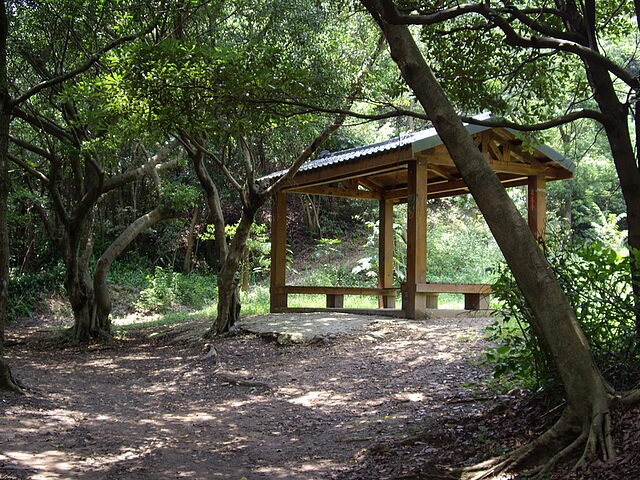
(75, 72)
(549, 38)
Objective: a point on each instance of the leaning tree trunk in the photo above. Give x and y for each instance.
(187, 265)
(586, 418)
(102, 295)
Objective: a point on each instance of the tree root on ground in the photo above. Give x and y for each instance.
(7, 381)
(560, 443)
(211, 355)
(631, 398)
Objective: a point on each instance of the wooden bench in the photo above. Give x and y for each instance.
(476, 295)
(335, 295)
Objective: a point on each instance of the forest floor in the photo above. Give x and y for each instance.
(390, 399)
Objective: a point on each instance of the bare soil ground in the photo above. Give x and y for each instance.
(389, 400)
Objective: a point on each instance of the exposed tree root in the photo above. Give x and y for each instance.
(8, 381)
(561, 443)
(631, 398)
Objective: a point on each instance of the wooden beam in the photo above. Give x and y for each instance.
(278, 251)
(385, 252)
(361, 167)
(327, 191)
(537, 206)
(321, 290)
(370, 184)
(415, 303)
(441, 171)
(516, 168)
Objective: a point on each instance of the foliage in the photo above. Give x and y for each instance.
(597, 282)
(168, 288)
(368, 265)
(332, 269)
(257, 250)
(460, 246)
(29, 287)
(179, 197)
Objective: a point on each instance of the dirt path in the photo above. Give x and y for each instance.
(145, 410)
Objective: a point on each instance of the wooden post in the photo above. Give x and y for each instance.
(415, 303)
(537, 206)
(385, 253)
(278, 278)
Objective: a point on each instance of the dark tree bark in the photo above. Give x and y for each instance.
(7, 381)
(187, 265)
(586, 419)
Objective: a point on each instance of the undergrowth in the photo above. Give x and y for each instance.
(597, 282)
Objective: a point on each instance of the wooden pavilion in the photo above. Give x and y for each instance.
(410, 169)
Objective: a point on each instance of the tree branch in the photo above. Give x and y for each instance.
(185, 137)
(356, 90)
(29, 169)
(32, 148)
(556, 122)
(43, 124)
(75, 72)
(117, 181)
(551, 38)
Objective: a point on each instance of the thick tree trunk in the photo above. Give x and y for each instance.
(79, 288)
(102, 295)
(77, 248)
(7, 382)
(229, 256)
(617, 130)
(587, 412)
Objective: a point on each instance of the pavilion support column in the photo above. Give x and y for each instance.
(537, 206)
(415, 302)
(278, 298)
(385, 253)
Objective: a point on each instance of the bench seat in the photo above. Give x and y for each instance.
(335, 295)
(476, 295)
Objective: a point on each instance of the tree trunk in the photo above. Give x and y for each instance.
(586, 415)
(229, 256)
(102, 295)
(228, 295)
(76, 246)
(617, 130)
(7, 382)
(188, 255)
(311, 215)
(213, 201)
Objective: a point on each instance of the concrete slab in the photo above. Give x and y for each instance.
(290, 328)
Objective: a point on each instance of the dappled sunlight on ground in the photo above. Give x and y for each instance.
(145, 410)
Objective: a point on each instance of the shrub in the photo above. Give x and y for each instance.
(597, 282)
(26, 289)
(168, 288)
